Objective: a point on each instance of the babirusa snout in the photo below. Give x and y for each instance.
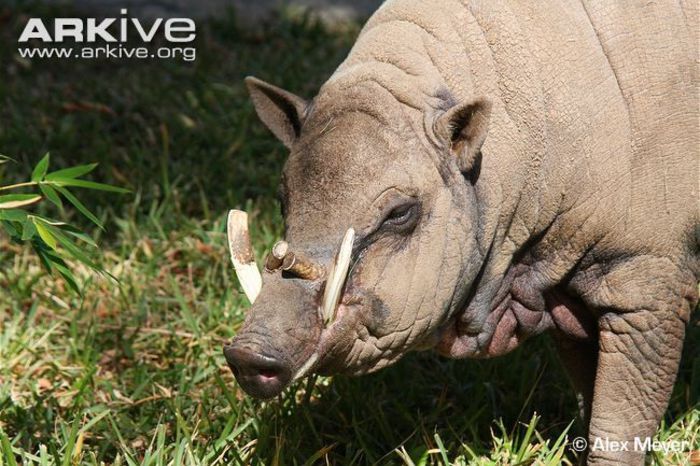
(279, 341)
(299, 265)
(242, 255)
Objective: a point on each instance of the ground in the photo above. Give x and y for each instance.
(133, 372)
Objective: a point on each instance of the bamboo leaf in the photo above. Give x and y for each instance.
(41, 168)
(13, 201)
(79, 205)
(51, 194)
(28, 229)
(45, 234)
(51, 260)
(72, 172)
(72, 249)
(88, 185)
(46, 255)
(42, 256)
(55, 223)
(10, 228)
(54, 242)
(13, 215)
(83, 237)
(67, 229)
(68, 276)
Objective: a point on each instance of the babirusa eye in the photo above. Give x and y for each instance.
(402, 217)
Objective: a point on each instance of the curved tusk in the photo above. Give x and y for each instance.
(302, 267)
(303, 371)
(336, 277)
(274, 260)
(242, 254)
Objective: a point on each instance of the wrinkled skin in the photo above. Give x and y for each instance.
(509, 170)
(429, 259)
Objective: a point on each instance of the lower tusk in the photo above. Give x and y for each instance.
(336, 277)
(242, 255)
(306, 367)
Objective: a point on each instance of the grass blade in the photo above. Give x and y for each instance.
(7, 449)
(70, 444)
(443, 451)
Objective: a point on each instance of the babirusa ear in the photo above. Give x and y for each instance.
(281, 111)
(464, 128)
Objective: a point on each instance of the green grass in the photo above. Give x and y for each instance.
(133, 373)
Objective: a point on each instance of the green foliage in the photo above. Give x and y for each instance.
(53, 241)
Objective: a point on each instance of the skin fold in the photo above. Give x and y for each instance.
(509, 169)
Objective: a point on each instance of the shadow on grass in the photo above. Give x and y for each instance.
(365, 419)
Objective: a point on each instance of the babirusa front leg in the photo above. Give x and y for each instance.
(638, 359)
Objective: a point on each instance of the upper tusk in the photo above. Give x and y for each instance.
(274, 260)
(337, 274)
(302, 266)
(294, 262)
(242, 254)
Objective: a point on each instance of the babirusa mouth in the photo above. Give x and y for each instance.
(242, 254)
(296, 264)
